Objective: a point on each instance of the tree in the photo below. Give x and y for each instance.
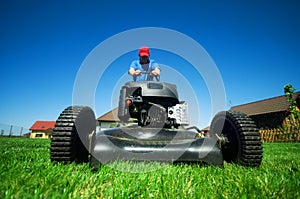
(289, 92)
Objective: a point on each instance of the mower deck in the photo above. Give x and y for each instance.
(153, 144)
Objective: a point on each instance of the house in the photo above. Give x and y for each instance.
(42, 129)
(109, 119)
(269, 113)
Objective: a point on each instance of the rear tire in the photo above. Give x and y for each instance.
(243, 143)
(70, 139)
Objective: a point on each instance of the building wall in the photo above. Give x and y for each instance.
(269, 120)
(41, 134)
(107, 125)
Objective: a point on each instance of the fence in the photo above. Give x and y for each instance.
(12, 130)
(279, 135)
(289, 131)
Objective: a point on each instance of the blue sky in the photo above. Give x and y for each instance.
(254, 44)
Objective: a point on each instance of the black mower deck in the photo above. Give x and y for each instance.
(152, 144)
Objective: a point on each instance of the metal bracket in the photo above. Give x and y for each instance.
(91, 135)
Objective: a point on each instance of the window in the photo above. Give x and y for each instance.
(38, 135)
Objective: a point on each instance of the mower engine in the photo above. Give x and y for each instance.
(179, 113)
(153, 104)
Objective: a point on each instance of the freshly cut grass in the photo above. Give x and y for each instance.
(26, 172)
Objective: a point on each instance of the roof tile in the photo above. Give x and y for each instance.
(271, 105)
(111, 116)
(42, 125)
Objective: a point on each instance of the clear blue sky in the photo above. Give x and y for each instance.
(254, 44)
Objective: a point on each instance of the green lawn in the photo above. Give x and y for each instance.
(26, 172)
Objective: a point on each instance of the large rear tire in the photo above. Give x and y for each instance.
(70, 139)
(242, 140)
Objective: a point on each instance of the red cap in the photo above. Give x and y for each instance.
(144, 51)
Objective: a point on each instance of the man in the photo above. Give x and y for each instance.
(144, 69)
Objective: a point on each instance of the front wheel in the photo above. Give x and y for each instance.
(69, 142)
(242, 140)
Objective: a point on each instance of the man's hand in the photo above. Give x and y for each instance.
(137, 73)
(155, 72)
(134, 72)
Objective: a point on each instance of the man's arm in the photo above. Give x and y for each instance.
(156, 70)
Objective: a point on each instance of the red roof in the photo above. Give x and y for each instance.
(42, 125)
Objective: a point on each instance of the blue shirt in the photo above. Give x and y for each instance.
(145, 68)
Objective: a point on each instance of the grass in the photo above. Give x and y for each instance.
(26, 172)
